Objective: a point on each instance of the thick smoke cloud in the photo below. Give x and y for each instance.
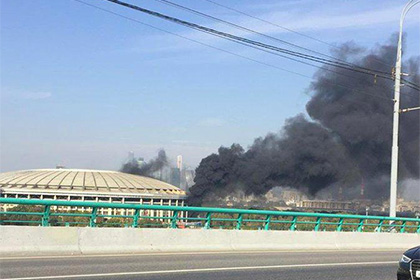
(146, 169)
(363, 122)
(346, 142)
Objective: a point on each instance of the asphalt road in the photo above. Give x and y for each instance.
(351, 265)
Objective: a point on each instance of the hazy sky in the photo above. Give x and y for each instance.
(81, 87)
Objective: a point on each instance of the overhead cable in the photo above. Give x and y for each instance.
(251, 42)
(228, 52)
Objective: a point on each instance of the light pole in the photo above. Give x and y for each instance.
(397, 111)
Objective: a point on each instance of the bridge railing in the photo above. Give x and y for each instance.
(97, 214)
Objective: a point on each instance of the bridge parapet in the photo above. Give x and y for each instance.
(30, 240)
(49, 213)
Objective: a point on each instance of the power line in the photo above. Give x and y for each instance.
(166, 2)
(411, 85)
(284, 28)
(226, 51)
(303, 62)
(190, 39)
(249, 41)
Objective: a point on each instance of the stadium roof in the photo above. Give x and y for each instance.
(80, 181)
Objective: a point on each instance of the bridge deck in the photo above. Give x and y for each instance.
(361, 265)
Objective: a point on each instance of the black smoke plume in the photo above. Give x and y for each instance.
(146, 168)
(345, 143)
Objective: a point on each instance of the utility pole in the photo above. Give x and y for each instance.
(397, 111)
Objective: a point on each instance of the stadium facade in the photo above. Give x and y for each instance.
(90, 185)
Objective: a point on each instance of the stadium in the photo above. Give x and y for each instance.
(90, 185)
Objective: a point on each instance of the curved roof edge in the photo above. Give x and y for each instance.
(86, 181)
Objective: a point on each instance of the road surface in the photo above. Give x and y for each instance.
(286, 265)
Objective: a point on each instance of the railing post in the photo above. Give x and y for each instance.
(418, 227)
(46, 216)
(402, 230)
(208, 221)
(360, 227)
(381, 222)
(92, 221)
(136, 218)
(340, 224)
(174, 219)
(293, 225)
(318, 224)
(239, 222)
(267, 222)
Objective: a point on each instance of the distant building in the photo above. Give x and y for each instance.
(292, 197)
(179, 162)
(325, 205)
(407, 206)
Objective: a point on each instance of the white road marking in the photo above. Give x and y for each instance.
(197, 253)
(139, 273)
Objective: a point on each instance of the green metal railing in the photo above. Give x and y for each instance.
(54, 213)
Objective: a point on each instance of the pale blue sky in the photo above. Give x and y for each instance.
(81, 87)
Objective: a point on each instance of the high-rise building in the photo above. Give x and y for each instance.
(179, 162)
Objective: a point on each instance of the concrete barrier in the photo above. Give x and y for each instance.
(21, 240)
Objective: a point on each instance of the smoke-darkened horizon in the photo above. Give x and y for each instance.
(346, 141)
(146, 168)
